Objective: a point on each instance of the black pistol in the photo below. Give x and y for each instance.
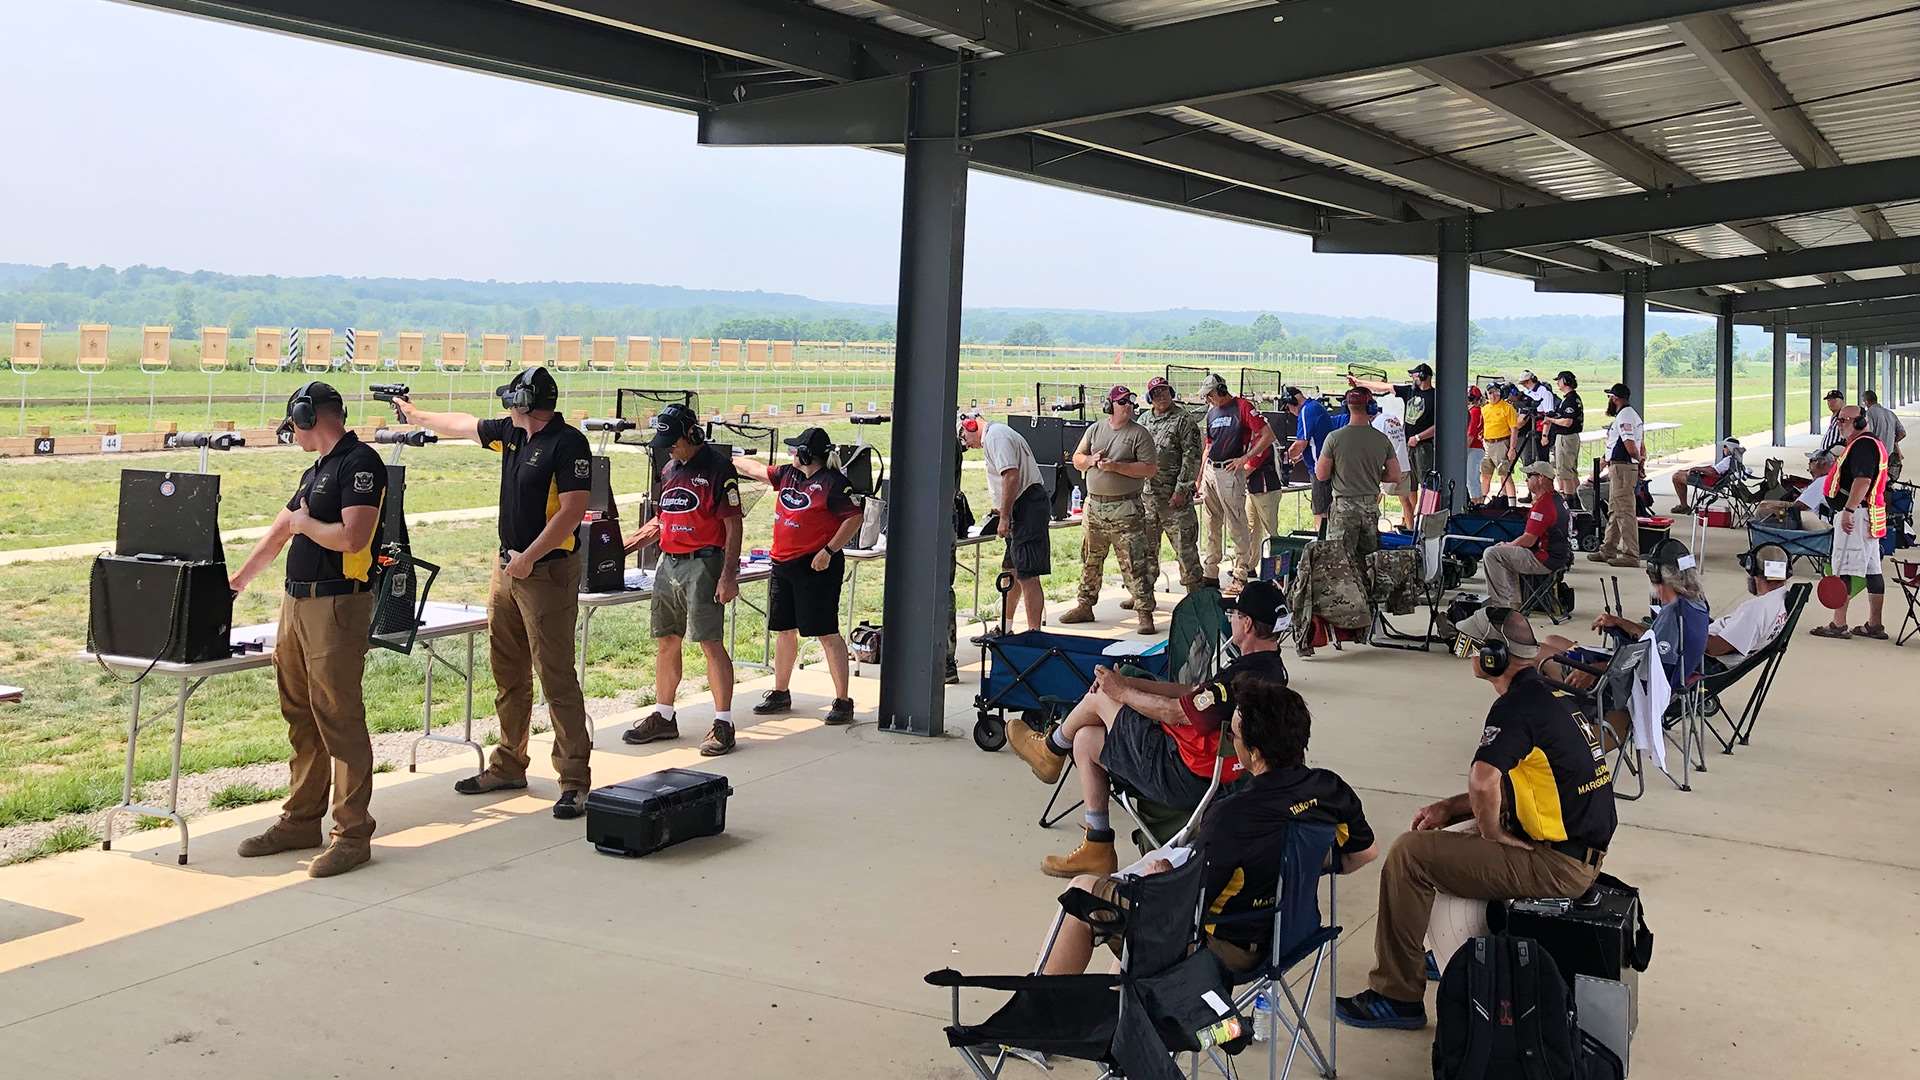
(389, 392)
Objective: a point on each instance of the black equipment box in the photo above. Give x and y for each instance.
(603, 566)
(656, 811)
(1594, 936)
(600, 488)
(159, 609)
(175, 514)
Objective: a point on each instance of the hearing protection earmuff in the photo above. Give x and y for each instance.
(1755, 568)
(803, 454)
(300, 410)
(1131, 402)
(1493, 658)
(517, 394)
(1860, 420)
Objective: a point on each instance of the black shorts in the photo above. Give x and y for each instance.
(1029, 539)
(804, 599)
(1322, 496)
(1142, 756)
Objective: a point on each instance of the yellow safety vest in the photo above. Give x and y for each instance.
(1876, 504)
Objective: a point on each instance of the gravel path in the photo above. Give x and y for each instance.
(198, 789)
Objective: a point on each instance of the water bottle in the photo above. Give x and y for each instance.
(1076, 498)
(1262, 1015)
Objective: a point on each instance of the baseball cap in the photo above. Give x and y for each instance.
(816, 440)
(539, 382)
(1473, 393)
(1359, 395)
(1540, 468)
(1156, 384)
(1527, 375)
(1568, 378)
(674, 423)
(1260, 600)
(1620, 391)
(319, 393)
(1214, 384)
(1425, 371)
(1834, 395)
(1119, 393)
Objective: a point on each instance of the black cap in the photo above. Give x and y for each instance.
(543, 391)
(319, 394)
(1260, 600)
(674, 423)
(816, 440)
(1834, 395)
(1620, 391)
(1425, 371)
(1569, 378)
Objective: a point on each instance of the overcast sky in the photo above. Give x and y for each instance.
(162, 139)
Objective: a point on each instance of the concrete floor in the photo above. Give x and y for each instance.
(487, 939)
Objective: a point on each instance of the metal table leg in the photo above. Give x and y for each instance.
(427, 734)
(172, 809)
(586, 630)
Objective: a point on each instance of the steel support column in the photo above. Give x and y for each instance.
(1452, 290)
(1723, 330)
(1779, 386)
(926, 388)
(1633, 341)
(1814, 362)
(1840, 367)
(1861, 355)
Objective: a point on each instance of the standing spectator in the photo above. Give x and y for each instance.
(1316, 422)
(1421, 410)
(1476, 446)
(1625, 451)
(814, 519)
(1356, 461)
(698, 529)
(1402, 489)
(1564, 423)
(1500, 426)
(1264, 488)
(1118, 458)
(1020, 498)
(1534, 402)
(1857, 501)
(1836, 436)
(1885, 427)
(1170, 493)
(1237, 438)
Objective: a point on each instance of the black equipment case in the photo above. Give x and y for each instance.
(643, 815)
(603, 563)
(152, 608)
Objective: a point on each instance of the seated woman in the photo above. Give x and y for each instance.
(1240, 836)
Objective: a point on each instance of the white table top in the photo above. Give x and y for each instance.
(442, 620)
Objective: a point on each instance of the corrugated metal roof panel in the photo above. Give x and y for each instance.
(1714, 241)
(1881, 46)
(1157, 12)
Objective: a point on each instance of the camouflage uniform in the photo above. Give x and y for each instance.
(1176, 436)
(1353, 526)
(1119, 523)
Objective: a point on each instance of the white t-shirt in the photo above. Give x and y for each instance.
(1626, 425)
(1752, 625)
(1005, 449)
(1396, 433)
(1542, 396)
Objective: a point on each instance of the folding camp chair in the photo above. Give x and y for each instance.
(1906, 573)
(1433, 584)
(1131, 1022)
(1765, 660)
(1544, 595)
(1300, 935)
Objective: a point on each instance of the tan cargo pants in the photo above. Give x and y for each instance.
(1226, 491)
(530, 628)
(319, 656)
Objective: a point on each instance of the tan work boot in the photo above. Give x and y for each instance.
(1146, 623)
(280, 837)
(1091, 857)
(1624, 562)
(1031, 747)
(340, 857)
(1080, 613)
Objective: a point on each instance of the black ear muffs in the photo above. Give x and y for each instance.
(300, 410)
(1860, 421)
(1493, 658)
(803, 455)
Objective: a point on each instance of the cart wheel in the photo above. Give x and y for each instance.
(1037, 719)
(989, 734)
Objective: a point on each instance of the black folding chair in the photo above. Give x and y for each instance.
(1544, 596)
(1766, 661)
(1906, 574)
(1131, 1023)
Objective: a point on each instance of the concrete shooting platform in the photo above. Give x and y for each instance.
(488, 937)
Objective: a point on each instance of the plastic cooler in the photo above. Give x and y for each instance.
(1653, 530)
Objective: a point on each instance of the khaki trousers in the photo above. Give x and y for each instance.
(1623, 524)
(1263, 518)
(1227, 508)
(530, 628)
(1460, 864)
(1504, 565)
(319, 656)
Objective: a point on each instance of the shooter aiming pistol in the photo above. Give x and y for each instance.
(389, 392)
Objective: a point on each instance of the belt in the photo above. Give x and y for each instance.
(1580, 852)
(1224, 464)
(1113, 498)
(697, 553)
(304, 590)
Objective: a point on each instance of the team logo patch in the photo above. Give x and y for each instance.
(795, 499)
(1204, 699)
(581, 468)
(733, 496)
(362, 483)
(1488, 734)
(679, 500)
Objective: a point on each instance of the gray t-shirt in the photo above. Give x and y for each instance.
(1885, 426)
(1360, 453)
(1129, 444)
(1005, 449)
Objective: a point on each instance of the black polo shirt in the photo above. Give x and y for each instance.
(1572, 409)
(1242, 839)
(533, 472)
(350, 474)
(1557, 784)
(1421, 410)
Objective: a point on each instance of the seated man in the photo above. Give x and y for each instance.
(1759, 619)
(1240, 834)
(1159, 739)
(1545, 546)
(1705, 476)
(1541, 796)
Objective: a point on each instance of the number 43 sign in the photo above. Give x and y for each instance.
(42, 445)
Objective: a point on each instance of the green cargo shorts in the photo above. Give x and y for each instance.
(683, 604)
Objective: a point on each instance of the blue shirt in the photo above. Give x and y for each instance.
(1316, 423)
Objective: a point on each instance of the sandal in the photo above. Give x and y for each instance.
(1830, 631)
(1870, 630)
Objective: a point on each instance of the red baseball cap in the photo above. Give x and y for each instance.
(1119, 393)
(1158, 383)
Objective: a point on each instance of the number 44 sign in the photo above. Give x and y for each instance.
(109, 444)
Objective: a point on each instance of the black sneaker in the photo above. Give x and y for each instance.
(953, 674)
(842, 711)
(773, 703)
(1368, 1009)
(570, 805)
(719, 740)
(1433, 967)
(651, 728)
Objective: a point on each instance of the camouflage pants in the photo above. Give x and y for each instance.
(1181, 527)
(1119, 525)
(1353, 526)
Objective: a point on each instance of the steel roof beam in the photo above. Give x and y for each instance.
(1745, 268)
(1858, 329)
(1719, 43)
(1197, 60)
(1815, 295)
(1653, 211)
(1829, 312)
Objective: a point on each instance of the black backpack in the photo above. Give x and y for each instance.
(1504, 1014)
